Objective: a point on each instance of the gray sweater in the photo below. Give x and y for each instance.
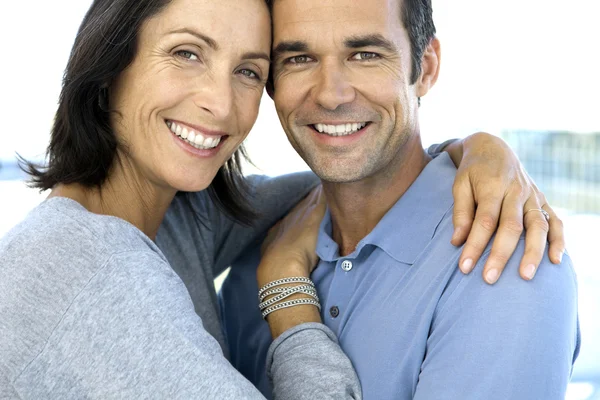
(91, 308)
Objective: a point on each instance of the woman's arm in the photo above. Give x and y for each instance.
(134, 333)
(493, 194)
(312, 353)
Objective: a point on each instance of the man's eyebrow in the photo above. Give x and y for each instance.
(209, 41)
(256, 56)
(374, 40)
(287, 47)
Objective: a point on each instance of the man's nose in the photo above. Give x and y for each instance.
(333, 88)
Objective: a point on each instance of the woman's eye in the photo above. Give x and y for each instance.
(365, 55)
(187, 55)
(298, 60)
(249, 73)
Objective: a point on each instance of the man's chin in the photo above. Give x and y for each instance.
(339, 173)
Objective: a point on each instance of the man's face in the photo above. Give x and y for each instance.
(342, 84)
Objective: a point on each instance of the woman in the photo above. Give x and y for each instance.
(157, 97)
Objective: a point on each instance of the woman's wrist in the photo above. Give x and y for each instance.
(273, 268)
(287, 296)
(287, 318)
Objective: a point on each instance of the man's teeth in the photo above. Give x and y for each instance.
(193, 137)
(340, 130)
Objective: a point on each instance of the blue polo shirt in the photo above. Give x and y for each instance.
(413, 325)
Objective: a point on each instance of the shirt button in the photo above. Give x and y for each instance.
(347, 265)
(334, 311)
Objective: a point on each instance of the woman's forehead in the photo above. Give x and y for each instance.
(227, 22)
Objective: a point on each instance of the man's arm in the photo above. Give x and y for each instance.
(514, 340)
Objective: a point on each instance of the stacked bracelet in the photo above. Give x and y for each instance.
(284, 281)
(281, 292)
(287, 292)
(290, 303)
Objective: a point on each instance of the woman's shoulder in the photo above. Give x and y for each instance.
(61, 230)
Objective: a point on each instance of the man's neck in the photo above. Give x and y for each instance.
(357, 207)
(124, 195)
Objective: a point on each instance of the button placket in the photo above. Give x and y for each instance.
(340, 291)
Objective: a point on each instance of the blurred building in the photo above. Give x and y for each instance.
(565, 165)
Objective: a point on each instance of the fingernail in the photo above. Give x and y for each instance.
(529, 271)
(491, 276)
(466, 266)
(560, 256)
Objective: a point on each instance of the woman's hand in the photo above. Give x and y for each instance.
(292, 242)
(289, 250)
(493, 191)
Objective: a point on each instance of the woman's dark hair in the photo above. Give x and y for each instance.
(83, 147)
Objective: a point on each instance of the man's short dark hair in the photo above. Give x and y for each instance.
(83, 146)
(417, 17)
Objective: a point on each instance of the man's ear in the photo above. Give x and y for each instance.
(430, 67)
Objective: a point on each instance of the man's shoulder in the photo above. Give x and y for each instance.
(514, 325)
(553, 287)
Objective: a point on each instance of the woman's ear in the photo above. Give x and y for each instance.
(103, 102)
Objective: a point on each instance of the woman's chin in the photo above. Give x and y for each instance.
(192, 183)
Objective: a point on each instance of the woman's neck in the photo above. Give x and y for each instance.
(123, 195)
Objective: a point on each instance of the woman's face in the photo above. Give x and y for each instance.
(192, 92)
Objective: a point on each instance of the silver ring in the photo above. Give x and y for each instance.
(544, 213)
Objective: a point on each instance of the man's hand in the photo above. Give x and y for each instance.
(492, 190)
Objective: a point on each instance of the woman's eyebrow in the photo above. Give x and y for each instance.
(209, 41)
(256, 56)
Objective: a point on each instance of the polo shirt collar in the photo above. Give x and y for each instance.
(408, 227)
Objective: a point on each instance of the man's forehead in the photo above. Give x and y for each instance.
(293, 19)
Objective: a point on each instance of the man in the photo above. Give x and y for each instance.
(348, 78)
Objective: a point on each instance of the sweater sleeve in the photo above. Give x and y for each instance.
(306, 362)
(435, 149)
(132, 333)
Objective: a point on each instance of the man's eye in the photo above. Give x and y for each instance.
(365, 55)
(298, 60)
(188, 55)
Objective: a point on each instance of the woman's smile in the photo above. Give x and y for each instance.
(196, 140)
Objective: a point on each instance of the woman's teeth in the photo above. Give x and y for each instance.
(340, 130)
(193, 137)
